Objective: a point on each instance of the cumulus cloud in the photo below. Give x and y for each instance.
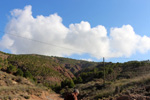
(125, 42)
(90, 60)
(47, 35)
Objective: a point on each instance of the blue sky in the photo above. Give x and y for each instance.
(107, 13)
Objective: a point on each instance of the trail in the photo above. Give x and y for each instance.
(46, 96)
(54, 96)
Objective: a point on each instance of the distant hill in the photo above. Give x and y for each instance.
(115, 71)
(44, 69)
(123, 81)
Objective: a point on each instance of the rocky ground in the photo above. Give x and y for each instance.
(136, 93)
(19, 88)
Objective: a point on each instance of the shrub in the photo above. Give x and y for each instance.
(110, 70)
(79, 80)
(71, 84)
(55, 87)
(100, 74)
(35, 80)
(68, 83)
(0, 66)
(27, 97)
(75, 80)
(105, 94)
(1, 59)
(11, 69)
(19, 72)
(27, 74)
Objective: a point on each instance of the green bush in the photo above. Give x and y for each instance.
(79, 80)
(100, 74)
(71, 84)
(75, 80)
(35, 80)
(0, 66)
(110, 70)
(68, 83)
(1, 60)
(11, 69)
(19, 72)
(27, 74)
(55, 87)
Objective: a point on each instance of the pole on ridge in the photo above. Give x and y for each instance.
(104, 70)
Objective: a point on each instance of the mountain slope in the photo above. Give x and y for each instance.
(18, 88)
(120, 78)
(129, 79)
(44, 69)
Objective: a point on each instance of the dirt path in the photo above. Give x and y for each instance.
(47, 96)
(54, 96)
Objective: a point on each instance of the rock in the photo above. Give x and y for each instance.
(147, 88)
(140, 98)
(125, 97)
(147, 98)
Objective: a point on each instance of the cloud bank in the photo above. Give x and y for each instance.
(47, 35)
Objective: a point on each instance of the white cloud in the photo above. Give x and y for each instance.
(90, 40)
(90, 60)
(6, 42)
(144, 44)
(59, 40)
(124, 41)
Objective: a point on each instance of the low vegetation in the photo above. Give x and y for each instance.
(94, 80)
(18, 88)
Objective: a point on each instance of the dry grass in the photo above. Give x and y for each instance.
(18, 88)
(142, 79)
(123, 85)
(93, 89)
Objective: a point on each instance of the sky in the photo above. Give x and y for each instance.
(80, 29)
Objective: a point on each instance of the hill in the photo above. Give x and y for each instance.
(43, 69)
(94, 80)
(19, 88)
(122, 80)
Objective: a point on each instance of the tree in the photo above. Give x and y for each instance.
(19, 72)
(71, 84)
(143, 63)
(63, 84)
(56, 87)
(0, 66)
(11, 69)
(110, 70)
(100, 74)
(27, 74)
(75, 80)
(79, 80)
(1, 60)
(68, 83)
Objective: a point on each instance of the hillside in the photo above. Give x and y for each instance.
(19, 88)
(137, 88)
(95, 82)
(122, 80)
(116, 71)
(43, 69)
